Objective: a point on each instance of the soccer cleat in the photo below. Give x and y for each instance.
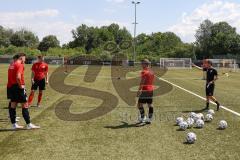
(142, 120)
(149, 120)
(32, 126)
(38, 106)
(16, 126)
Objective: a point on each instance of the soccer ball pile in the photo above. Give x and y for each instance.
(198, 121)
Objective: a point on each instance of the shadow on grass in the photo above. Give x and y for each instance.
(220, 129)
(197, 128)
(180, 130)
(186, 143)
(12, 130)
(126, 125)
(196, 111)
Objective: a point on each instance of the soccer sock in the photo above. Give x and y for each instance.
(30, 99)
(39, 98)
(217, 103)
(150, 113)
(207, 105)
(12, 114)
(26, 116)
(142, 112)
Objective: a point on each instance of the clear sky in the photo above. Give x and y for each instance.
(59, 17)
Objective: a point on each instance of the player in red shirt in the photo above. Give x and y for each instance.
(39, 79)
(17, 92)
(145, 92)
(15, 58)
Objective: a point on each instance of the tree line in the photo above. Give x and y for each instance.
(212, 39)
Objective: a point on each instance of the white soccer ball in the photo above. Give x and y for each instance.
(200, 116)
(190, 122)
(192, 115)
(199, 123)
(179, 120)
(183, 125)
(191, 138)
(208, 118)
(223, 124)
(211, 111)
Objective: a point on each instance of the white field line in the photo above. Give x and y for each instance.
(225, 108)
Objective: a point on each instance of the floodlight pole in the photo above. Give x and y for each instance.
(135, 30)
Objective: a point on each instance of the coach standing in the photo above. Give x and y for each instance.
(212, 76)
(17, 92)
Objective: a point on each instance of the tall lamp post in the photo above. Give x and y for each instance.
(135, 30)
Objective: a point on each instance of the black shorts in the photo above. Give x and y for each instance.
(41, 84)
(210, 89)
(8, 93)
(16, 94)
(204, 69)
(146, 97)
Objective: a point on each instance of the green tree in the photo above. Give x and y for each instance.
(224, 39)
(5, 35)
(203, 38)
(24, 38)
(47, 42)
(216, 39)
(92, 38)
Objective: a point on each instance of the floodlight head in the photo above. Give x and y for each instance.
(133, 2)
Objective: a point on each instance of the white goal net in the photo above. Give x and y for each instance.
(225, 64)
(54, 60)
(176, 63)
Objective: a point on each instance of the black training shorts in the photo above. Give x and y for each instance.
(17, 94)
(146, 97)
(41, 84)
(210, 89)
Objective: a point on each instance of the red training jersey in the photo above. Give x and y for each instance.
(40, 70)
(148, 76)
(14, 69)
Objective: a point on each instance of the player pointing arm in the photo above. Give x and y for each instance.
(212, 76)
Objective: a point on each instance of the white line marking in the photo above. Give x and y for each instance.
(225, 108)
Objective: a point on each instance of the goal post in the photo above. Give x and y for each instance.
(176, 63)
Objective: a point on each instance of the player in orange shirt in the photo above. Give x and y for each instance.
(17, 92)
(145, 92)
(39, 79)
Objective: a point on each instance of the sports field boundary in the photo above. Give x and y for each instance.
(192, 93)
